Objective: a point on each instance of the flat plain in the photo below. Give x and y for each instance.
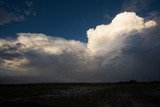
(81, 95)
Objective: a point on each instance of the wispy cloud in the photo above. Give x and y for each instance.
(135, 5)
(10, 13)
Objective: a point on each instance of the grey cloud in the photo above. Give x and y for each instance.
(139, 58)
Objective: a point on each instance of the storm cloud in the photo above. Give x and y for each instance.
(127, 48)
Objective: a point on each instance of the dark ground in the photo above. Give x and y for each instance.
(81, 95)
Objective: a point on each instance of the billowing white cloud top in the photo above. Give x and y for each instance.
(109, 37)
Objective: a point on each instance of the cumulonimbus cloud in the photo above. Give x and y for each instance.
(108, 37)
(117, 51)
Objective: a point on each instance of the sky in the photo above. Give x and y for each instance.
(79, 41)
